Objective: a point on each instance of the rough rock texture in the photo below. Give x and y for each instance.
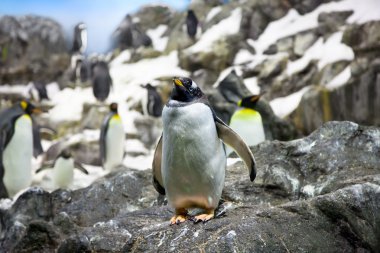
(317, 194)
(32, 49)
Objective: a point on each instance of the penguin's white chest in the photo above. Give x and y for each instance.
(114, 144)
(193, 157)
(248, 124)
(63, 172)
(17, 156)
(83, 36)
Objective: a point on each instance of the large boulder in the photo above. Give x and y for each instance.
(317, 194)
(32, 48)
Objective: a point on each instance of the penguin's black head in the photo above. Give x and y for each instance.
(185, 90)
(249, 102)
(28, 107)
(113, 107)
(65, 154)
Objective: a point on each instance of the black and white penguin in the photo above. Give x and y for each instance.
(80, 38)
(37, 91)
(19, 141)
(191, 23)
(190, 160)
(101, 80)
(247, 122)
(152, 102)
(112, 140)
(63, 169)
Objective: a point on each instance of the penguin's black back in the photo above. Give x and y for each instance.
(101, 81)
(191, 23)
(41, 89)
(154, 105)
(77, 42)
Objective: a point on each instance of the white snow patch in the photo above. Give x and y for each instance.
(145, 71)
(283, 106)
(231, 234)
(159, 42)
(123, 57)
(293, 22)
(5, 204)
(326, 52)
(141, 162)
(226, 27)
(243, 56)
(341, 79)
(252, 86)
(212, 13)
(232, 161)
(308, 190)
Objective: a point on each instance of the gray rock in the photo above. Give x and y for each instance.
(329, 22)
(356, 101)
(32, 48)
(278, 212)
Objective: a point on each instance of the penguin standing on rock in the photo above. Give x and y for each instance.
(19, 141)
(101, 80)
(152, 103)
(80, 38)
(112, 140)
(247, 122)
(190, 160)
(191, 24)
(63, 169)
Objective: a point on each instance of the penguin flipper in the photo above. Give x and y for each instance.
(228, 136)
(45, 166)
(156, 166)
(80, 167)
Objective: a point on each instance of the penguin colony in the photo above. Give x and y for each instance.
(189, 160)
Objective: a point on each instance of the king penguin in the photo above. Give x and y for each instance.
(63, 169)
(19, 141)
(190, 160)
(112, 140)
(247, 122)
(80, 38)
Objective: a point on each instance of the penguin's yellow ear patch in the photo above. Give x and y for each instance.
(178, 82)
(24, 104)
(239, 103)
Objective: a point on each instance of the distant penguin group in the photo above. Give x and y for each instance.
(19, 141)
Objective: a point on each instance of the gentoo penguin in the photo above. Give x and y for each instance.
(152, 103)
(247, 122)
(19, 141)
(80, 38)
(63, 169)
(112, 140)
(191, 24)
(190, 160)
(101, 80)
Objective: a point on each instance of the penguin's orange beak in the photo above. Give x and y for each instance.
(177, 82)
(37, 111)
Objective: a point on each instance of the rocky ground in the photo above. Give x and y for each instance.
(316, 194)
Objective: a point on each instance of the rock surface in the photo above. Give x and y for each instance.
(316, 194)
(32, 48)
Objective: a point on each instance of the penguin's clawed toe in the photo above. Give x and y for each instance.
(203, 217)
(177, 219)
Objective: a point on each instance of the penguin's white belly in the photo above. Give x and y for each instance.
(83, 36)
(114, 144)
(17, 156)
(193, 157)
(248, 125)
(63, 172)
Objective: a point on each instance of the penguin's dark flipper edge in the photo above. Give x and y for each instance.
(229, 137)
(156, 167)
